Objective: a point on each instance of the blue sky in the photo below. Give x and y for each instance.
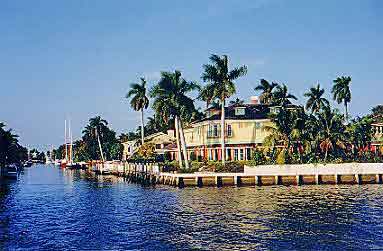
(75, 58)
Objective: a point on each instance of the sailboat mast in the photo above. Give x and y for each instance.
(66, 145)
(71, 142)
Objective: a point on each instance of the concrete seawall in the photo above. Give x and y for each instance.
(319, 169)
(348, 173)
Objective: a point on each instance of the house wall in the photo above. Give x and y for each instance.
(246, 134)
(243, 132)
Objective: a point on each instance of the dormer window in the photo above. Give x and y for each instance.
(275, 109)
(239, 111)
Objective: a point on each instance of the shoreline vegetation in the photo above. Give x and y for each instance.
(314, 132)
(11, 152)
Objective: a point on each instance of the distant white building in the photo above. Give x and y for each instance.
(160, 140)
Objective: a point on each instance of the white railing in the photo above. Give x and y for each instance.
(312, 169)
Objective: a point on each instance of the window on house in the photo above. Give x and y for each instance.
(215, 130)
(228, 154)
(240, 111)
(235, 154)
(229, 131)
(275, 109)
(241, 154)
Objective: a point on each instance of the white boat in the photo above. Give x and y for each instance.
(11, 171)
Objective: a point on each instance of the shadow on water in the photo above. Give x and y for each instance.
(5, 202)
(51, 208)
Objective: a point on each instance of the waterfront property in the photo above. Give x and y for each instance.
(245, 131)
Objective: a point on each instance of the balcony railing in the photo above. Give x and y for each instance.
(218, 135)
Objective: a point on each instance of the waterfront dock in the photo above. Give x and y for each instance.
(309, 174)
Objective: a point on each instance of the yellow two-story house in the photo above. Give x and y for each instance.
(245, 130)
(377, 141)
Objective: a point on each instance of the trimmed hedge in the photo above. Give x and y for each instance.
(207, 166)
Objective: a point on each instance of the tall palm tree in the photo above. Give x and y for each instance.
(139, 101)
(315, 100)
(171, 101)
(341, 92)
(95, 130)
(221, 85)
(206, 95)
(267, 91)
(281, 96)
(331, 131)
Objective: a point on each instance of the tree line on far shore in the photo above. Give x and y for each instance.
(11, 152)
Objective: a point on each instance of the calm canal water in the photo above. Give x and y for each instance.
(49, 208)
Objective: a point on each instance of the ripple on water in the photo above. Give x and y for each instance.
(49, 208)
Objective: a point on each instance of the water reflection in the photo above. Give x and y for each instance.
(52, 208)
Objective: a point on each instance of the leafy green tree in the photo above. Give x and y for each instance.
(342, 93)
(123, 137)
(316, 101)
(172, 101)
(281, 96)
(139, 101)
(221, 85)
(266, 88)
(80, 151)
(96, 134)
(377, 113)
(11, 152)
(360, 133)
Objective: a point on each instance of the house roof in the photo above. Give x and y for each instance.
(159, 138)
(252, 111)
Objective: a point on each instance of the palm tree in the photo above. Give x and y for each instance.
(139, 101)
(236, 102)
(331, 131)
(206, 95)
(96, 128)
(221, 85)
(267, 91)
(315, 101)
(171, 101)
(341, 92)
(281, 96)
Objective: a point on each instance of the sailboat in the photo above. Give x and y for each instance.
(68, 161)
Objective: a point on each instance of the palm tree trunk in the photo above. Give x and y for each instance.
(223, 131)
(100, 147)
(325, 155)
(183, 144)
(142, 126)
(346, 109)
(178, 141)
